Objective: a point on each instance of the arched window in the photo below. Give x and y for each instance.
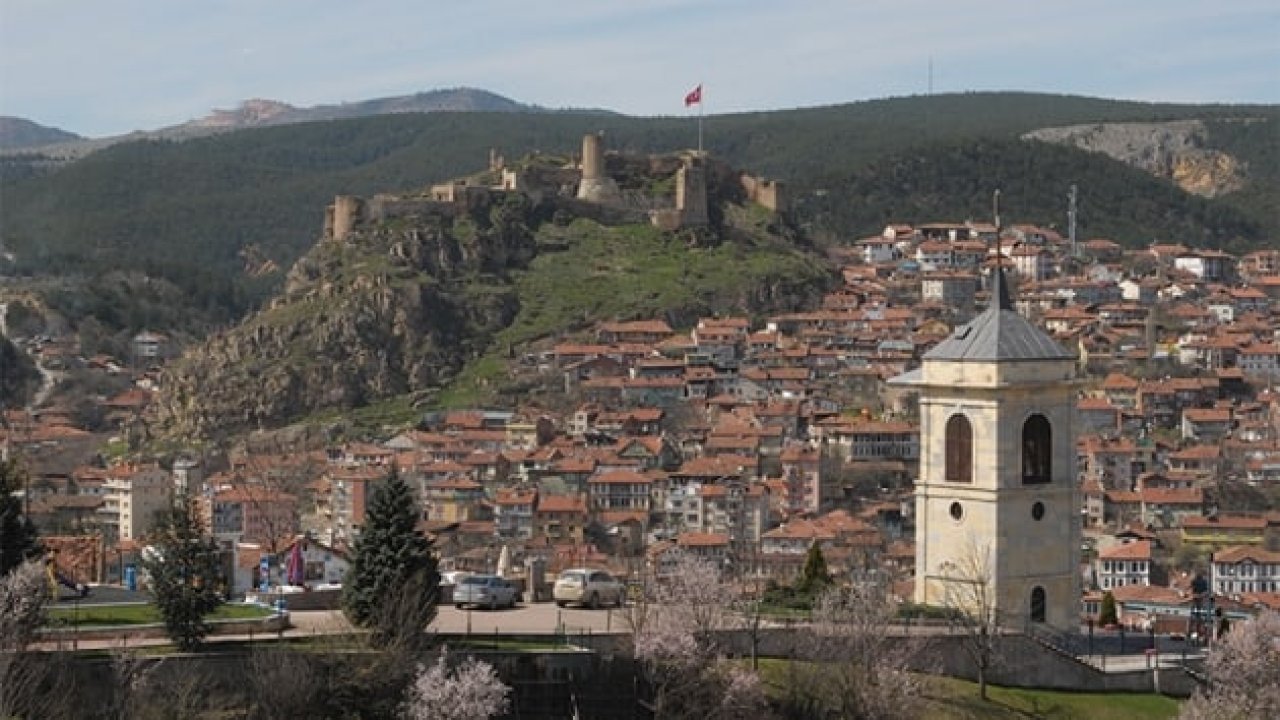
(959, 452)
(1037, 604)
(1037, 450)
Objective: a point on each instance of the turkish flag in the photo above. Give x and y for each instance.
(694, 97)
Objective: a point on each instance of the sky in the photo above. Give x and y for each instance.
(99, 68)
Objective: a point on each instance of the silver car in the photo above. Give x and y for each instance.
(489, 591)
(589, 588)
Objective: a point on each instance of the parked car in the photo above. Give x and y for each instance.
(488, 591)
(589, 588)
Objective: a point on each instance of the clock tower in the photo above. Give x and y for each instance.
(996, 502)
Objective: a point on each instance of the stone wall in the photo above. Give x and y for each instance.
(769, 193)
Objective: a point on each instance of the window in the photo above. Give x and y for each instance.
(959, 449)
(1037, 604)
(1037, 450)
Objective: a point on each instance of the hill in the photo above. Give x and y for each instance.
(213, 215)
(259, 112)
(19, 133)
(431, 300)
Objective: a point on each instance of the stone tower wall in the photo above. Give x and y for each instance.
(347, 211)
(592, 157)
(691, 192)
(595, 185)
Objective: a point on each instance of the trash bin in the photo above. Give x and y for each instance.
(281, 606)
(131, 577)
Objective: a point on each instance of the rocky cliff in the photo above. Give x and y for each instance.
(390, 309)
(1171, 150)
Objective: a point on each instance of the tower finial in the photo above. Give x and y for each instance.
(999, 286)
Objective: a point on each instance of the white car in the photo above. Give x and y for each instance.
(488, 591)
(589, 588)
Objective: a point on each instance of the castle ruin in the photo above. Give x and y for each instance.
(586, 187)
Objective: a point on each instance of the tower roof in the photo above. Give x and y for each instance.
(999, 333)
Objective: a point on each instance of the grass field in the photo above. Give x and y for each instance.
(952, 699)
(107, 615)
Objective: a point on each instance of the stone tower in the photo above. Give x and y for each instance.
(595, 185)
(691, 191)
(997, 509)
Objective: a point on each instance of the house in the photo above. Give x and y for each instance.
(619, 490)
(1225, 529)
(1245, 569)
(952, 289)
(713, 547)
(513, 514)
(803, 479)
(560, 517)
(1170, 507)
(1123, 564)
(251, 513)
(321, 564)
(1205, 424)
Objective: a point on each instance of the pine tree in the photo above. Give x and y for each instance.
(814, 577)
(1107, 613)
(18, 540)
(184, 572)
(393, 585)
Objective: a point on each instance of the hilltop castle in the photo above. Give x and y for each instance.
(589, 186)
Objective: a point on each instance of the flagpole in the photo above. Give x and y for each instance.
(699, 118)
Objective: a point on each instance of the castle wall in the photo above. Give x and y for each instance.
(347, 211)
(769, 193)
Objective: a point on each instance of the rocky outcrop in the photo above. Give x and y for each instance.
(1171, 150)
(391, 309)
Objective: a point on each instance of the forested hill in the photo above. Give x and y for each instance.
(220, 215)
(954, 181)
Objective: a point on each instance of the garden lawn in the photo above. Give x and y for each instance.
(140, 614)
(948, 698)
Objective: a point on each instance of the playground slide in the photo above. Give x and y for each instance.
(63, 580)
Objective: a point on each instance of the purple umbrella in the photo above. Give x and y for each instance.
(295, 571)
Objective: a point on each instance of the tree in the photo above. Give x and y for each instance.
(470, 691)
(970, 599)
(184, 572)
(677, 632)
(814, 577)
(18, 539)
(1244, 674)
(23, 593)
(1107, 613)
(854, 666)
(393, 584)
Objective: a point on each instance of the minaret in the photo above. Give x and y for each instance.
(997, 487)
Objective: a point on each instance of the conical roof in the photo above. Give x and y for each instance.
(999, 333)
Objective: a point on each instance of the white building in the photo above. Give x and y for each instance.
(1245, 569)
(1124, 564)
(133, 494)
